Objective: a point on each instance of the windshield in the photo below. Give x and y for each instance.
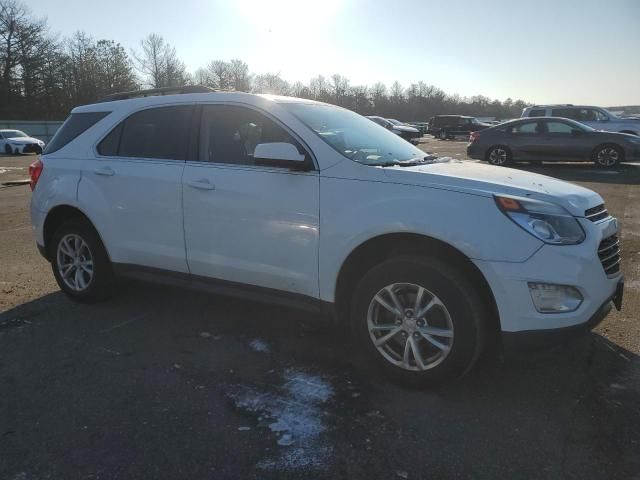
(475, 121)
(13, 133)
(395, 122)
(355, 136)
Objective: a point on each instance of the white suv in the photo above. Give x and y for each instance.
(298, 202)
(595, 117)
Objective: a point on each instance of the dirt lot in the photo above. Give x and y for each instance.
(165, 383)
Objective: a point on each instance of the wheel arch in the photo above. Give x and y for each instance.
(57, 216)
(377, 249)
(608, 144)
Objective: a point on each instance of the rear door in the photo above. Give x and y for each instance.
(133, 184)
(247, 223)
(526, 141)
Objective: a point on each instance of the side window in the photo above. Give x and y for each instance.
(564, 113)
(110, 144)
(229, 134)
(589, 115)
(537, 113)
(161, 133)
(559, 128)
(526, 128)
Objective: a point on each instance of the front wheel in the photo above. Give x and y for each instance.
(607, 156)
(419, 320)
(443, 135)
(7, 149)
(80, 263)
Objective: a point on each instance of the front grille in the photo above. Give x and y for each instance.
(609, 254)
(596, 213)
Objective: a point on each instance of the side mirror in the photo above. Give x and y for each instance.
(280, 154)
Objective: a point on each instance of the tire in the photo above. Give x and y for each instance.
(443, 135)
(458, 314)
(7, 149)
(79, 237)
(499, 155)
(607, 156)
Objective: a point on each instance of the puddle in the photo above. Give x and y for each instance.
(294, 411)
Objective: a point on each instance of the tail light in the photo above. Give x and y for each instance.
(474, 137)
(35, 170)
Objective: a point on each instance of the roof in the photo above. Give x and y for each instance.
(150, 97)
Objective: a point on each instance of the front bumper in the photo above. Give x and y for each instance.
(534, 339)
(573, 265)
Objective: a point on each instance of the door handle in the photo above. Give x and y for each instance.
(106, 171)
(202, 184)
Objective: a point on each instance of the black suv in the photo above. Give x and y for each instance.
(449, 126)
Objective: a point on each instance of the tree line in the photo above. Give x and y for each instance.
(43, 76)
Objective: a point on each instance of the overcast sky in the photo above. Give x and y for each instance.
(543, 51)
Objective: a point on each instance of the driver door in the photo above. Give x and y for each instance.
(247, 223)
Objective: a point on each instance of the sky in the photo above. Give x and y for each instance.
(541, 51)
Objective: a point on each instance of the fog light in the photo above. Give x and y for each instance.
(549, 298)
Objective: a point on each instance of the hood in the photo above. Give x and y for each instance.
(405, 128)
(24, 140)
(487, 180)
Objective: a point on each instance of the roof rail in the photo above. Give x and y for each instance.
(156, 91)
(555, 105)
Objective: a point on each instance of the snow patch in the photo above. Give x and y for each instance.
(295, 412)
(259, 345)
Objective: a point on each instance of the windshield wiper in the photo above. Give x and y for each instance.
(406, 163)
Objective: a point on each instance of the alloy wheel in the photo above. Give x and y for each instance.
(410, 326)
(498, 156)
(607, 157)
(75, 262)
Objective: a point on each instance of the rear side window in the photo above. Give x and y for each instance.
(564, 113)
(536, 113)
(76, 124)
(526, 128)
(154, 133)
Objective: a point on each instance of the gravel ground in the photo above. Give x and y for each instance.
(167, 383)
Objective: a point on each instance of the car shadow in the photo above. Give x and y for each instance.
(165, 349)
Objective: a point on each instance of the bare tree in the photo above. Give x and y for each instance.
(271, 83)
(159, 64)
(220, 74)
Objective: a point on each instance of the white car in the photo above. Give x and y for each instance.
(14, 142)
(595, 117)
(298, 202)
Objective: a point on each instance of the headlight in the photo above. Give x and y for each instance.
(547, 221)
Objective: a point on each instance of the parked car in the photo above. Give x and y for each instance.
(421, 126)
(308, 204)
(450, 126)
(410, 134)
(14, 142)
(551, 139)
(596, 117)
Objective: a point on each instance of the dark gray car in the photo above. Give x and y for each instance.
(549, 139)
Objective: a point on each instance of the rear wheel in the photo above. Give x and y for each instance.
(607, 156)
(80, 262)
(419, 320)
(499, 155)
